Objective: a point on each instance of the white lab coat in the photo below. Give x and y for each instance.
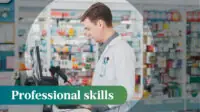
(120, 69)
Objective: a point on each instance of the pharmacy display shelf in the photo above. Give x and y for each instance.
(192, 73)
(26, 13)
(164, 51)
(186, 101)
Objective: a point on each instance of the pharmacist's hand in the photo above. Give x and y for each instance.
(86, 106)
(66, 83)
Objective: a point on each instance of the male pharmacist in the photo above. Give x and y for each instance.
(116, 65)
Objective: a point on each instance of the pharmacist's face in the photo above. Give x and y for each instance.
(92, 30)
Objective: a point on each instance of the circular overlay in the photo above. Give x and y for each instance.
(56, 37)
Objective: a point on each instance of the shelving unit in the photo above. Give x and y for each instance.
(192, 72)
(27, 34)
(164, 59)
(75, 53)
(164, 52)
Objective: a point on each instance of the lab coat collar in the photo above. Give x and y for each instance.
(106, 43)
(110, 39)
(113, 42)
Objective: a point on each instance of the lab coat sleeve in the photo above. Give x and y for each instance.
(124, 60)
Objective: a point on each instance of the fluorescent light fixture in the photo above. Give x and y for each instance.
(5, 1)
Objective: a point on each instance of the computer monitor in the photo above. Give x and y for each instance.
(38, 59)
(38, 69)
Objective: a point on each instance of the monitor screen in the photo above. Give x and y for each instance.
(38, 61)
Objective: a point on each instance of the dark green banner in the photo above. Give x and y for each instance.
(62, 95)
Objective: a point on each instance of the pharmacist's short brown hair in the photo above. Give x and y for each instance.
(98, 11)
